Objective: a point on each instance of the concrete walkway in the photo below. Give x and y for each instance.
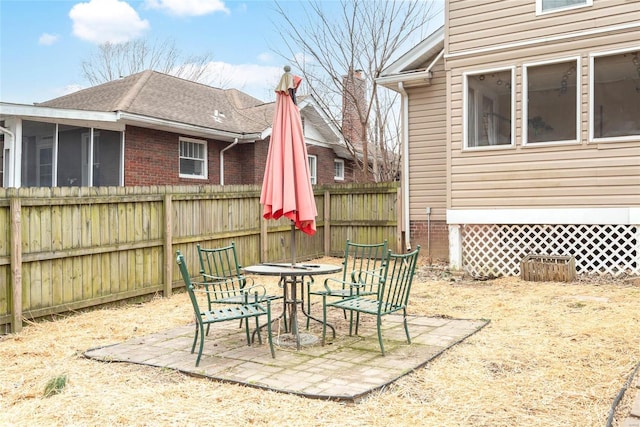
(346, 368)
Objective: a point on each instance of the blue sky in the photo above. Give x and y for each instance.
(43, 43)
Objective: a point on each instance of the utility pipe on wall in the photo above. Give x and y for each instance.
(235, 142)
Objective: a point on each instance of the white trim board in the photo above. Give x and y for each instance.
(559, 37)
(622, 216)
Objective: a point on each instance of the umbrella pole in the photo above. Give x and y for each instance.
(293, 243)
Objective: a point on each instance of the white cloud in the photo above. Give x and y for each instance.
(256, 80)
(188, 7)
(48, 39)
(101, 21)
(265, 57)
(70, 88)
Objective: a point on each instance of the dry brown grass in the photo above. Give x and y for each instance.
(554, 354)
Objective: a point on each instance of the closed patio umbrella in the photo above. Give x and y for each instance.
(286, 188)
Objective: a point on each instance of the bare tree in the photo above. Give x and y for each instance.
(115, 60)
(361, 41)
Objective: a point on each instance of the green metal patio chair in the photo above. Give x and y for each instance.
(357, 257)
(253, 306)
(393, 288)
(223, 278)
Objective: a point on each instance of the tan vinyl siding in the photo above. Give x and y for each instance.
(583, 174)
(427, 147)
(577, 176)
(475, 24)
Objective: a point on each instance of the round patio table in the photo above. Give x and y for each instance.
(291, 276)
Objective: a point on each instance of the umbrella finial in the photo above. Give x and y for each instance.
(287, 69)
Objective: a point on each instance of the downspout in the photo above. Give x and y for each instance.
(7, 174)
(405, 164)
(235, 142)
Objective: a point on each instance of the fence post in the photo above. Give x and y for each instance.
(327, 223)
(264, 242)
(168, 246)
(400, 241)
(16, 264)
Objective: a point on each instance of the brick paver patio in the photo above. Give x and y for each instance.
(346, 368)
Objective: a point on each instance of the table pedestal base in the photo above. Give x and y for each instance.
(289, 340)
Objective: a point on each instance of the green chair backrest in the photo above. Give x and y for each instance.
(220, 262)
(187, 282)
(363, 257)
(398, 276)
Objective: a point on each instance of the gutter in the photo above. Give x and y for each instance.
(405, 163)
(234, 143)
(415, 76)
(231, 136)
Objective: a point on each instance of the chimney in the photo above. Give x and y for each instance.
(352, 97)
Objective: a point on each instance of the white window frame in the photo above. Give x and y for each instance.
(465, 109)
(525, 102)
(340, 176)
(539, 11)
(204, 160)
(592, 138)
(313, 168)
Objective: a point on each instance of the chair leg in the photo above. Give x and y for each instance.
(380, 334)
(351, 324)
(246, 331)
(195, 337)
(308, 303)
(201, 344)
(270, 336)
(406, 328)
(257, 329)
(324, 318)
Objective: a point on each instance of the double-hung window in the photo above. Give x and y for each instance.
(338, 167)
(488, 109)
(550, 6)
(193, 158)
(552, 102)
(313, 168)
(615, 95)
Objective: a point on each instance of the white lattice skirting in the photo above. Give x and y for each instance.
(496, 250)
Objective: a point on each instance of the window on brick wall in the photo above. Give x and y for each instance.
(313, 168)
(193, 158)
(338, 166)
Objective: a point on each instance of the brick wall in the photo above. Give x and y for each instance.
(326, 169)
(434, 244)
(151, 158)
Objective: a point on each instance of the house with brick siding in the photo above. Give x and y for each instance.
(151, 128)
(522, 137)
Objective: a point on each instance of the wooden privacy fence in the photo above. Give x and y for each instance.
(69, 248)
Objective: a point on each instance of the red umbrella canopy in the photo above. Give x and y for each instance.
(286, 188)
